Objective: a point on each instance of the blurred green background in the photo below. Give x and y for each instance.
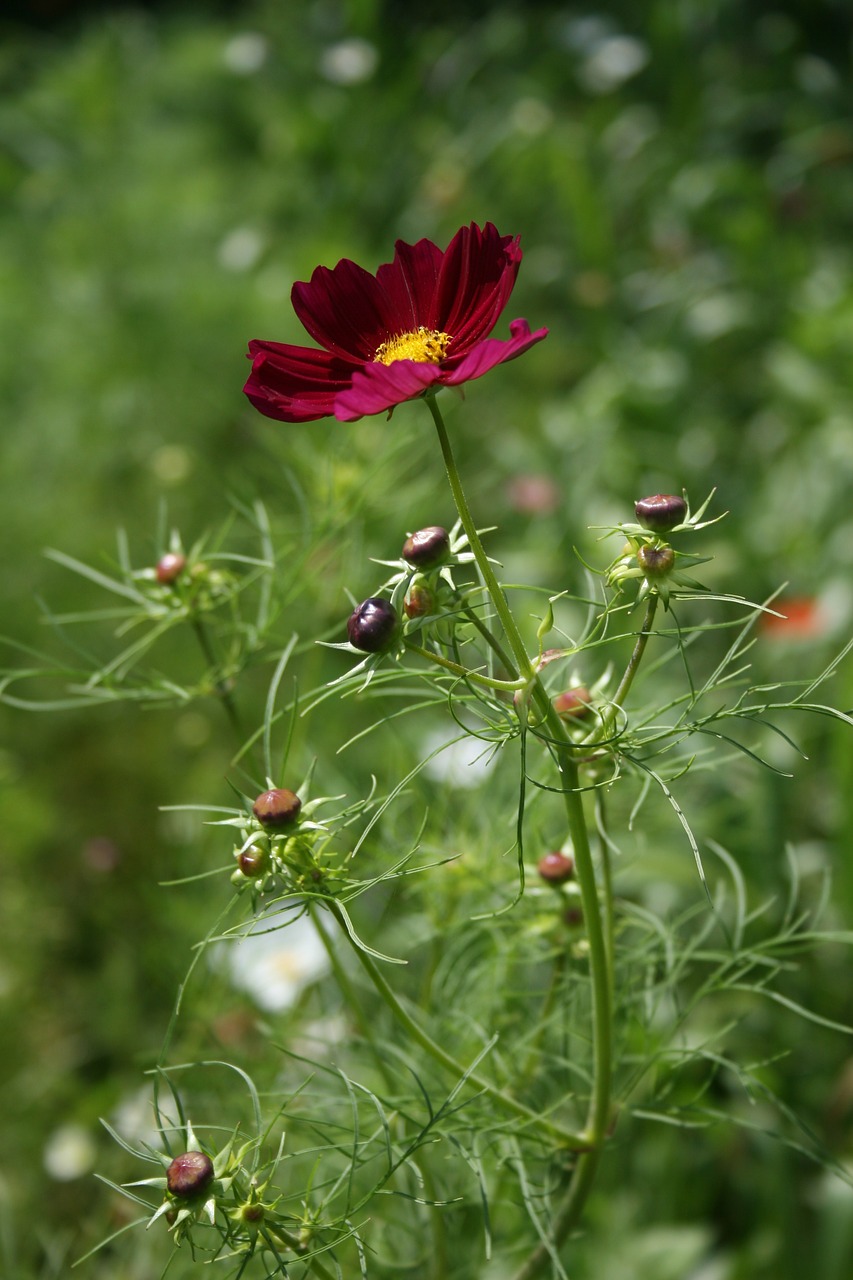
(681, 175)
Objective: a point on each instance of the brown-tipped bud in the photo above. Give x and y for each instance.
(251, 1213)
(189, 1175)
(419, 601)
(427, 548)
(573, 704)
(277, 808)
(253, 861)
(373, 625)
(556, 868)
(170, 567)
(655, 562)
(661, 511)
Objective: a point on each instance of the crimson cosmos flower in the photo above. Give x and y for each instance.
(420, 323)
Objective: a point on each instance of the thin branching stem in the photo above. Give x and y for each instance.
(223, 692)
(608, 716)
(565, 1137)
(476, 677)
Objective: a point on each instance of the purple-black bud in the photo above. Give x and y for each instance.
(556, 868)
(655, 562)
(277, 808)
(189, 1175)
(373, 625)
(660, 512)
(427, 548)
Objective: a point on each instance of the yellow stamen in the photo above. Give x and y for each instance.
(427, 346)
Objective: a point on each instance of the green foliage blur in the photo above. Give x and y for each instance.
(680, 174)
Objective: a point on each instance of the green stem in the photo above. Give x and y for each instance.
(565, 1137)
(222, 690)
(608, 717)
(504, 686)
(600, 947)
(490, 639)
(487, 573)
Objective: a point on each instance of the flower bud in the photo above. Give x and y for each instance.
(556, 868)
(253, 861)
(170, 567)
(373, 625)
(661, 511)
(573, 704)
(189, 1175)
(277, 808)
(655, 562)
(419, 601)
(427, 548)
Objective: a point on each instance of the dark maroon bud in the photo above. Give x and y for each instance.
(661, 511)
(427, 548)
(373, 625)
(573, 704)
(573, 917)
(277, 808)
(189, 1175)
(253, 861)
(655, 562)
(170, 567)
(419, 601)
(556, 868)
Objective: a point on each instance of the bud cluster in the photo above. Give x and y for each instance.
(280, 845)
(647, 555)
(420, 592)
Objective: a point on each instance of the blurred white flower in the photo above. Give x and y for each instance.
(275, 966)
(349, 61)
(69, 1153)
(246, 53)
(612, 62)
(461, 764)
(240, 249)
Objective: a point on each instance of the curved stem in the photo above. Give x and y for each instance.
(504, 686)
(356, 1008)
(565, 1137)
(491, 641)
(608, 717)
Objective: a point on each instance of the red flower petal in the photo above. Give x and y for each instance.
(295, 384)
(343, 309)
(378, 387)
(409, 284)
(491, 352)
(477, 277)
(350, 313)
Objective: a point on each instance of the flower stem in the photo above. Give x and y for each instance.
(597, 923)
(487, 573)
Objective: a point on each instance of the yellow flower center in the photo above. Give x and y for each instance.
(427, 346)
